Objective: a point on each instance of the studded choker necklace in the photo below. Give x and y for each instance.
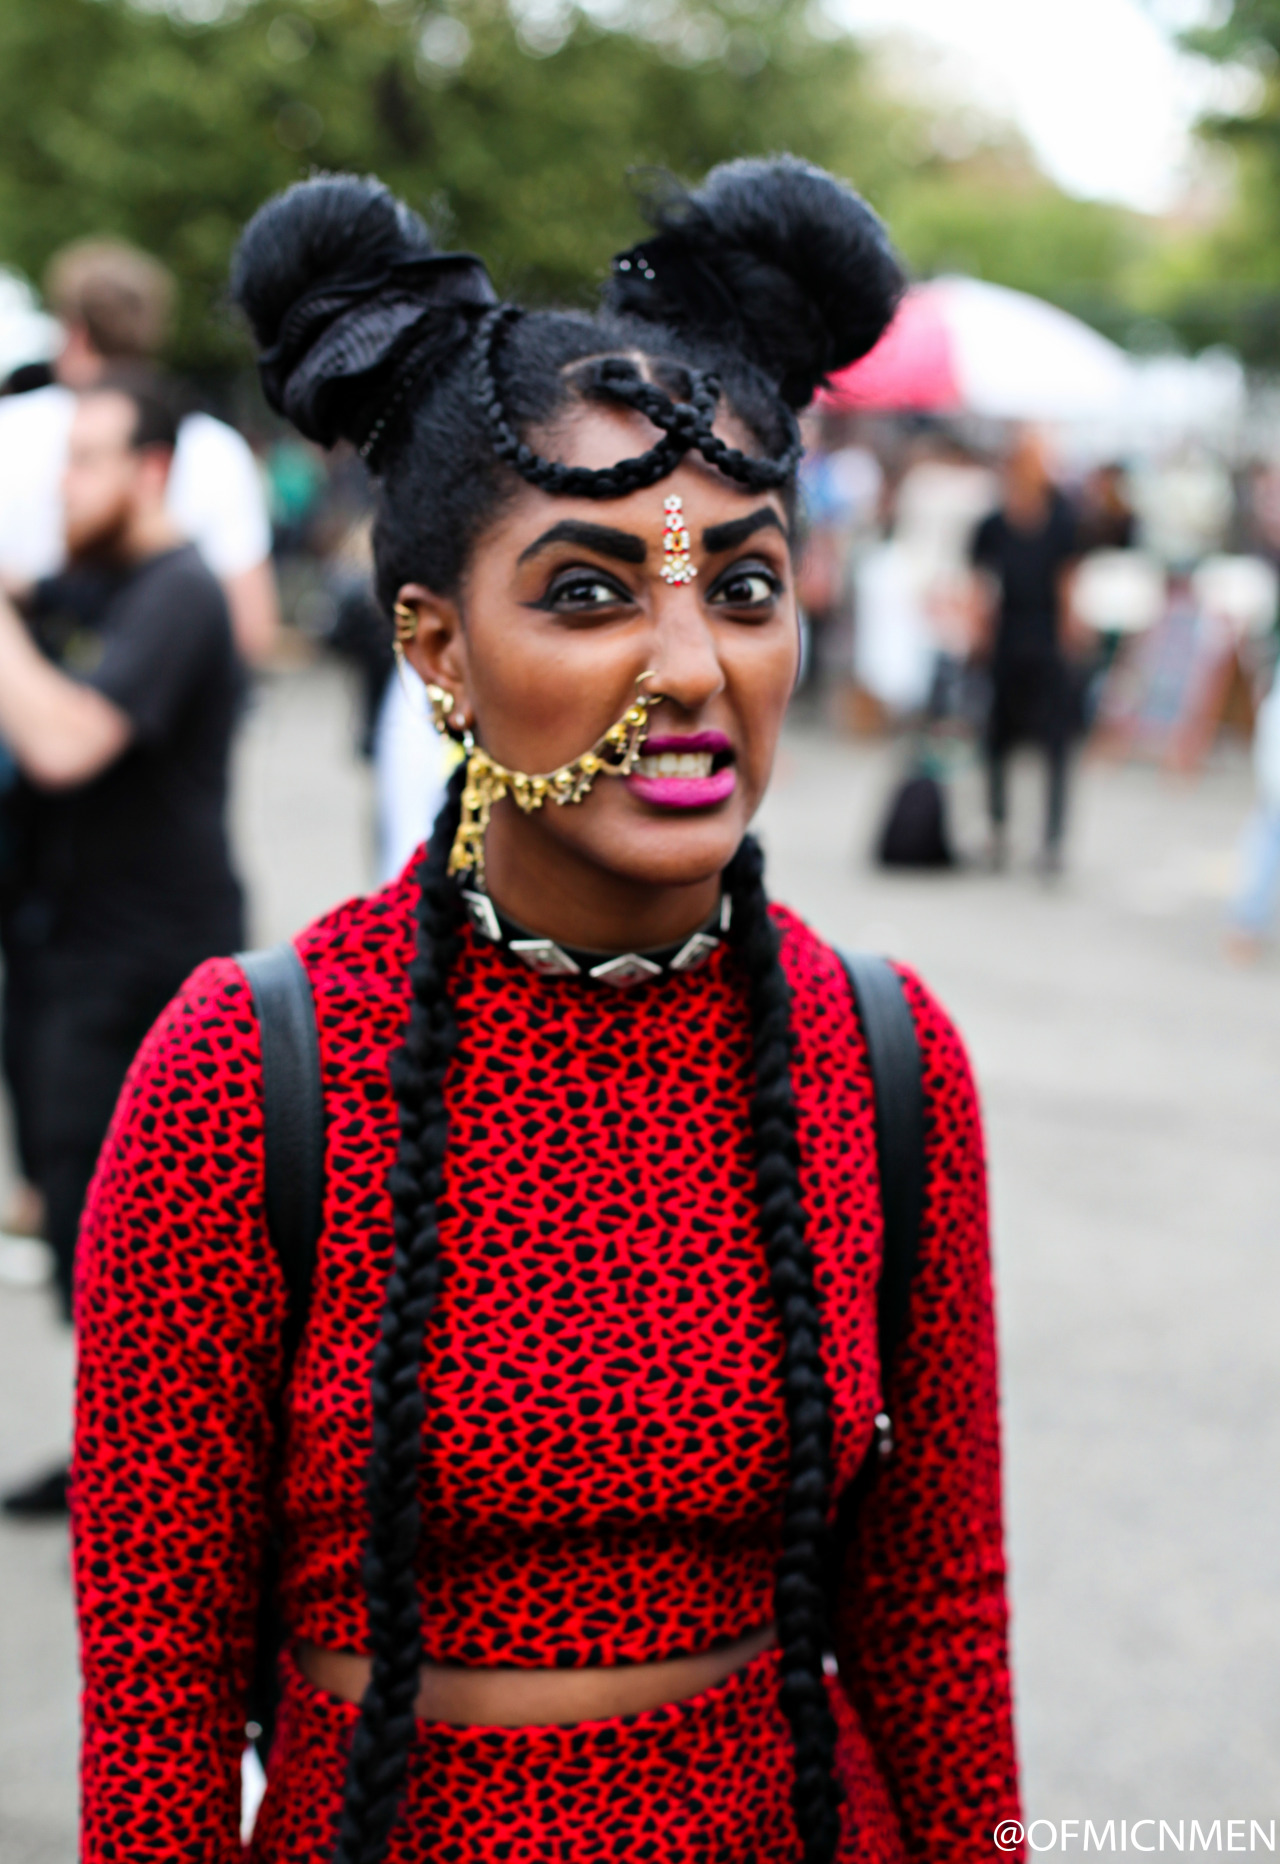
(623, 971)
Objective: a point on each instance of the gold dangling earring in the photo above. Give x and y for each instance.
(447, 719)
(478, 795)
(444, 713)
(452, 727)
(613, 755)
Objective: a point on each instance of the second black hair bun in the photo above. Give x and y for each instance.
(347, 294)
(772, 256)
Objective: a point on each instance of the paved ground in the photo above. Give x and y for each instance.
(1132, 1081)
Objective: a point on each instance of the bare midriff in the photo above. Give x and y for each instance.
(505, 1697)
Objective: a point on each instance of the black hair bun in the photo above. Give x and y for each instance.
(771, 256)
(348, 299)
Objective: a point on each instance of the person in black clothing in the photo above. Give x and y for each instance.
(1106, 518)
(1027, 550)
(118, 700)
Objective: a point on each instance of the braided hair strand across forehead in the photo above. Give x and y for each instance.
(751, 289)
(685, 425)
(369, 334)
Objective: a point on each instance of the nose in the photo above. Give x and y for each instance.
(685, 660)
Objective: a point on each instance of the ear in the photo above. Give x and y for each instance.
(438, 651)
(157, 463)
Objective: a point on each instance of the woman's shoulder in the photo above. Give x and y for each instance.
(359, 952)
(366, 943)
(822, 999)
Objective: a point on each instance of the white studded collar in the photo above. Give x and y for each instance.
(621, 970)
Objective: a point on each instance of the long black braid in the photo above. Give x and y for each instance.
(799, 1604)
(754, 288)
(380, 1750)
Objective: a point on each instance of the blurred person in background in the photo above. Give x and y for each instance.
(114, 304)
(1107, 520)
(1024, 553)
(411, 766)
(841, 486)
(1253, 911)
(945, 492)
(1259, 511)
(122, 733)
(411, 763)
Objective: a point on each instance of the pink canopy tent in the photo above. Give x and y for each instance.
(959, 345)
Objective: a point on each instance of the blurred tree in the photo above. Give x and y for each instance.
(1221, 282)
(510, 123)
(513, 132)
(993, 214)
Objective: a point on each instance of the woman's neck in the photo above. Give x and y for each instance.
(551, 891)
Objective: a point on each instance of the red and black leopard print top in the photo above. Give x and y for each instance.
(605, 1445)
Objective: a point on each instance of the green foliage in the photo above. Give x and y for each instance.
(510, 123)
(1222, 284)
(517, 136)
(995, 216)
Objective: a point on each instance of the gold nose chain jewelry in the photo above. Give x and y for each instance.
(613, 755)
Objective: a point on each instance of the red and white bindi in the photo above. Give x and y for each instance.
(677, 566)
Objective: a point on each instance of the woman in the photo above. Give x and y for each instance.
(591, 1347)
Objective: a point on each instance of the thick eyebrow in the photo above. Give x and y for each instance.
(623, 545)
(718, 537)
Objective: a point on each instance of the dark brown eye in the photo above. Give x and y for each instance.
(584, 590)
(752, 587)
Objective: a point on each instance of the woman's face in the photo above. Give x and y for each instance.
(565, 605)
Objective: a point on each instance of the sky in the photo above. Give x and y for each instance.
(1097, 86)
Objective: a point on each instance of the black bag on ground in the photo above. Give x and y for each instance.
(915, 832)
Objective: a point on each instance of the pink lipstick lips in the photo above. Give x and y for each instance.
(685, 770)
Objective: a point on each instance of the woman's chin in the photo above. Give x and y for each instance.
(620, 836)
(672, 849)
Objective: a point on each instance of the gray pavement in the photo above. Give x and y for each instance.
(1131, 1080)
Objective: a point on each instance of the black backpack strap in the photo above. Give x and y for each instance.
(893, 1053)
(293, 1183)
(293, 1121)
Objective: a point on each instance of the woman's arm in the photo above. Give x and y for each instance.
(179, 1304)
(923, 1646)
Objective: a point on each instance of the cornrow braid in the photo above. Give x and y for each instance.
(799, 1603)
(380, 1749)
(686, 427)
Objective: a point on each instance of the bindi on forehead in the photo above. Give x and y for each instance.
(677, 564)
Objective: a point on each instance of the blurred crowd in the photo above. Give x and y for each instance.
(976, 584)
(967, 587)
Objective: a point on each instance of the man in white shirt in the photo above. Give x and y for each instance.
(114, 303)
